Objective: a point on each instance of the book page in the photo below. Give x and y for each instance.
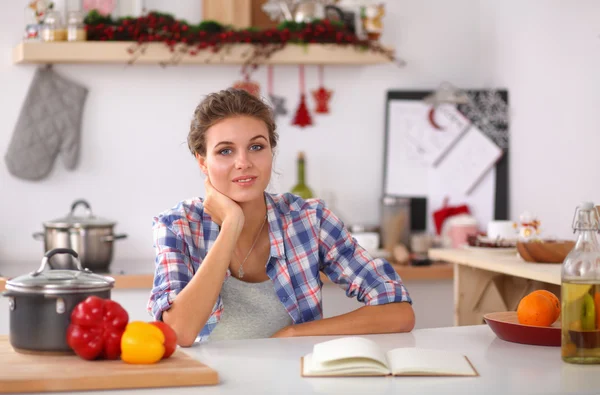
(428, 362)
(343, 367)
(347, 351)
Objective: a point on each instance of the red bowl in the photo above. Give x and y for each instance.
(506, 326)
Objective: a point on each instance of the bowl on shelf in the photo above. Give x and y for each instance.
(506, 326)
(545, 251)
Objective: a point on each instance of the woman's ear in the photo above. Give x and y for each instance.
(202, 164)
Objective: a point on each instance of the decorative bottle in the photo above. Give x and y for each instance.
(580, 291)
(301, 188)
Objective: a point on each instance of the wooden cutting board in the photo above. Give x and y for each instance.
(23, 373)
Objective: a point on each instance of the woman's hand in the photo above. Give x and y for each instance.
(221, 208)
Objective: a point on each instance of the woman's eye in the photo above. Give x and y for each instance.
(225, 151)
(256, 147)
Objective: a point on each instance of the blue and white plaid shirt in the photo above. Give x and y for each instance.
(306, 238)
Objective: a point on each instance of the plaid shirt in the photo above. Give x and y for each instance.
(306, 238)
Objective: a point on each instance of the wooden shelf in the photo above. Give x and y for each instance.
(116, 52)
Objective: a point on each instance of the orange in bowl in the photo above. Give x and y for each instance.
(539, 308)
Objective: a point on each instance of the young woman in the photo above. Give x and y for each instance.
(244, 263)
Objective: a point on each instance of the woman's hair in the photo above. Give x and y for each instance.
(226, 104)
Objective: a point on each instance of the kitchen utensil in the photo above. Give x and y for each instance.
(506, 326)
(23, 373)
(541, 251)
(40, 303)
(90, 236)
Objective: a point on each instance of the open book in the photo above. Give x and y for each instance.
(358, 356)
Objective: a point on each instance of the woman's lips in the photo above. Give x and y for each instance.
(245, 181)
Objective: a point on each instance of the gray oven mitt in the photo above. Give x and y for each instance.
(49, 123)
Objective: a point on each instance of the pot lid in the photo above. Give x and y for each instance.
(59, 281)
(87, 220)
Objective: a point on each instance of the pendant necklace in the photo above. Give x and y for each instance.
(241, 269)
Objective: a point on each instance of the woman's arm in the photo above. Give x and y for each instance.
(374, 282)
(192, 307)
(386, 318)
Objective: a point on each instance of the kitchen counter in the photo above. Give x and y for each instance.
(273, 366)
(487, 280)
(138, 274)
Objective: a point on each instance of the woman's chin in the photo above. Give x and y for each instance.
(246, 196)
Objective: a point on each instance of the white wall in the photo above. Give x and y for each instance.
(134, 161)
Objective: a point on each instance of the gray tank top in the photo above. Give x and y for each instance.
(250, 311)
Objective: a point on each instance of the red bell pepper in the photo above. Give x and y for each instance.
(96, 328)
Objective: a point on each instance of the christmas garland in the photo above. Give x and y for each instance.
(183, 38)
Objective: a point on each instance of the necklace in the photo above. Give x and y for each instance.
(241, 269)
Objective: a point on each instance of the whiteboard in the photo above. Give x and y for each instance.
(421, 161)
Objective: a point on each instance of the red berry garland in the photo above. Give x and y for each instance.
(185, 39)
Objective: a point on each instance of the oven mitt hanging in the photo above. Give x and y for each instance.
(49, 123)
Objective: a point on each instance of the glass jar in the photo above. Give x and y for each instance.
(580, 291)
(53, 28)
(76, 27)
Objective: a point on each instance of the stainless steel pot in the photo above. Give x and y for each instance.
(91, 237)
(40, 303)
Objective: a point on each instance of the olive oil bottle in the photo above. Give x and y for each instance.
(301, 188)
(580, 292)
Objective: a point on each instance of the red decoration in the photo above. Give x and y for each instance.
(249, 86)
(446, 212)
(322, 95)
(184, 39)
(302, 117)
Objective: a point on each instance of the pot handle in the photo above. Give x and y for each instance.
(88, 208)
(110, 238)
(51, 253)
(38, 236)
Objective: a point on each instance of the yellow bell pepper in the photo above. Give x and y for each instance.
(142, 343)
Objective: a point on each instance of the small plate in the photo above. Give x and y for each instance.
(505, 325)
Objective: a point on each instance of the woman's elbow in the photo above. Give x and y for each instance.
(186, 340)
(185, 337)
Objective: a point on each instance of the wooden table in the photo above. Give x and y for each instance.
(487, 281)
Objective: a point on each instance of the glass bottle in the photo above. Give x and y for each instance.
(301, 189)
(53, 28)
(580, 292)
(76, 26)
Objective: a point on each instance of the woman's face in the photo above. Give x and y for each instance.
(239, 158)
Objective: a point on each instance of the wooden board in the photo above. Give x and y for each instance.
(97, 52)
(22, 373)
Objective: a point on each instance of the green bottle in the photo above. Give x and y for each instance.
(301, 189)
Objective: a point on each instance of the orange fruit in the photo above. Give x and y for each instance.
(553, 298)
(536, 309)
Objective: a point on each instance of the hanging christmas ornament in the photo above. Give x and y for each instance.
(302, 117)
(248, 85)
(277, 101)
(322, 95)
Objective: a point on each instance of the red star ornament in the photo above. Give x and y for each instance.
(322, 97)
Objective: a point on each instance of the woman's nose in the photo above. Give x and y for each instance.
(242, 161)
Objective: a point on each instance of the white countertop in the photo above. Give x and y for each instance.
(272, 366)
(500, 262)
